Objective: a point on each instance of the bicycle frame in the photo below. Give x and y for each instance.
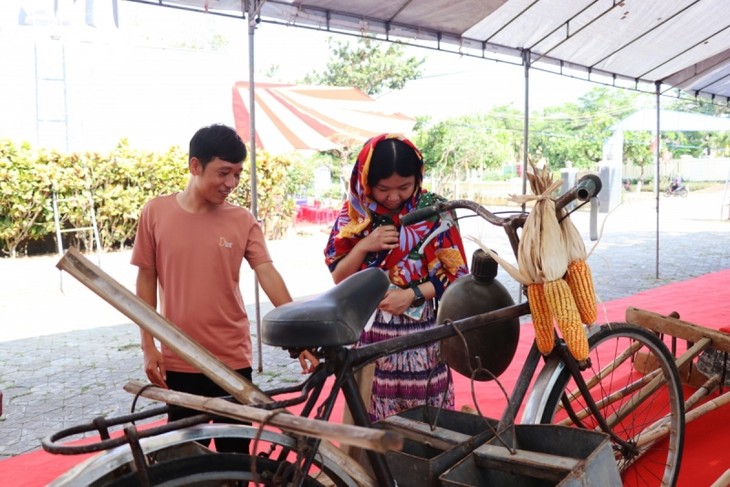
(342, 362)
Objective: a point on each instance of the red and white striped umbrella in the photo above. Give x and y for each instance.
(298, 117)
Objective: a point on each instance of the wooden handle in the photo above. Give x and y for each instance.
(370, 438)
(678, 328)
(158, 326)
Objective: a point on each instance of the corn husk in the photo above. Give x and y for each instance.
(575, 247)
(542, 252)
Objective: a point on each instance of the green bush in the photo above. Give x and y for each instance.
(25, 194)
(278, 179)
(120, 183)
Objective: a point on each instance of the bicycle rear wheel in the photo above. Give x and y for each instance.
(634, 381)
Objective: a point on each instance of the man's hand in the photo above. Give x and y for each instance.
(308, 361)
(154, 366)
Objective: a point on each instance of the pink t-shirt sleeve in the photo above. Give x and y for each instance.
(256, 252)
(143, 252)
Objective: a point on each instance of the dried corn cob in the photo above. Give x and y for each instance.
(542, 318)
(560, 300)
(579, 276)
(580, 281)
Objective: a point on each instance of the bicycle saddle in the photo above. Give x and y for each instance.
(335, 317)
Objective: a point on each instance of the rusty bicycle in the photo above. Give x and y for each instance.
(609, 401)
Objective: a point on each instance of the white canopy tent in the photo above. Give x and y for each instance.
(674, 46)
(663, 47)
(682, 44)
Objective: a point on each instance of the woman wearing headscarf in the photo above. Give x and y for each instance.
(421, 260)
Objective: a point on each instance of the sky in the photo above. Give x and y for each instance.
(150, 82)
(451, 85)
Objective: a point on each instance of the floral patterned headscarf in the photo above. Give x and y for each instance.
(429, 250)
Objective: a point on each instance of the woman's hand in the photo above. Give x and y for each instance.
(385, 237)
(382, 238)
(397, 301)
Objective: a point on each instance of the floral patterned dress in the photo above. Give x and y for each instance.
(429, 251)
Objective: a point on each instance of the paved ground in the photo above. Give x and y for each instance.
(65, 354)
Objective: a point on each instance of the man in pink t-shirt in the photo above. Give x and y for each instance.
(192, 244)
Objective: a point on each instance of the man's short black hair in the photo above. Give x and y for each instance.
(219, 141)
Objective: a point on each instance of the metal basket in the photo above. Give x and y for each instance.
(435, 439)
(538, 455)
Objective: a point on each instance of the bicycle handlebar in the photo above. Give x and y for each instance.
(588, 187)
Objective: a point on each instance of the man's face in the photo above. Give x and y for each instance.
(217, 180)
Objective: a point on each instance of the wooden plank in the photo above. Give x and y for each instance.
(150, 320)
(421, 432)
(370, 438)
(160, 327)
(529, 463)
(678, 328)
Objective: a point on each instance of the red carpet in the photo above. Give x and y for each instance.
(704, 301)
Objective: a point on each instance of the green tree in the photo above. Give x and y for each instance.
(697, 105)
(694, 143)
(638, 150)
(576, 131)
(472, 144)
(369, 64)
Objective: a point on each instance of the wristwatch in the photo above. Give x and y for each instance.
(419, 299)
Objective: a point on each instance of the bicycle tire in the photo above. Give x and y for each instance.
(610, 343)
(214, 469)
(172, 462)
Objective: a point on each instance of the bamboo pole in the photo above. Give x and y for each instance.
(151, 321)
(625, 355)
(369, 438)
(625, 409)
(147, 318)
(723, 480)
(651, 379)
(617, 395)
(661, 431)
(705, 390)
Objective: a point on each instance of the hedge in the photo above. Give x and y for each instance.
(120, 183)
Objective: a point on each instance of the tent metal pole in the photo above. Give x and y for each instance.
(525, 137)
(658, 151)
(526, 128)
(252, 8)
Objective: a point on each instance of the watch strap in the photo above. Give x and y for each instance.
(419, 298)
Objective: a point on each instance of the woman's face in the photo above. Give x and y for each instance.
(394, 191)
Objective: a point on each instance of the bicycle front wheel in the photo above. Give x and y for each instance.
(634, 381)
(217, 469)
